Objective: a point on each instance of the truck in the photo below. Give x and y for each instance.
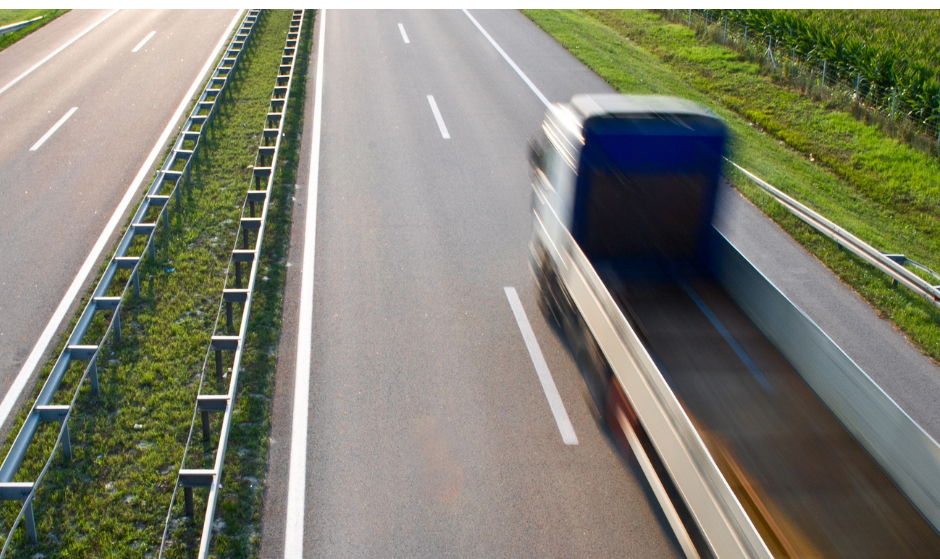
(757, 434)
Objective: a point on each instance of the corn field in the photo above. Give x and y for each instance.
(886, 62)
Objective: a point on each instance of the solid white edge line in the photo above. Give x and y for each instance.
(403, 34)
(297, 478)
(57, 51)
(541, 368)
(438, 117)
(144, 42)
(13, 394)
(53, 129)
(499, 49)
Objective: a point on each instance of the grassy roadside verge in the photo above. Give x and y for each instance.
(883, 191)
(8, 17)
(111, 499)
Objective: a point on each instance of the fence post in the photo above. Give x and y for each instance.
(706, 21)
(938, 134)
(822, 82)
(690, 18)
(858, 82)
(726, 29)
(894, 102)
(793, 59)
(745, 35)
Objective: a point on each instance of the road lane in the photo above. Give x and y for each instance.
(430, 434)
(59, 197)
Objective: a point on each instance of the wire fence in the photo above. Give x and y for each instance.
(106, 302)
(251, 234)
(901, 110)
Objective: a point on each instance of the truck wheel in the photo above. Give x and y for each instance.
(548, 284)
(596, 373)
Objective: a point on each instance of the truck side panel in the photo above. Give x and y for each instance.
(905, 451)
(722, 520)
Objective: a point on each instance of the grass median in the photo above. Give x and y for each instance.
(882, 190)
(111, 499)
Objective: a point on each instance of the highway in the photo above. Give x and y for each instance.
(62, 179)
(443, 416)
(429, 432)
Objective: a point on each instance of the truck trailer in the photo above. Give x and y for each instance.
(758, 436)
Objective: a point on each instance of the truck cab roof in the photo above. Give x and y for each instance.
(615, 105)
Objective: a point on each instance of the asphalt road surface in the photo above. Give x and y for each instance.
(430, 433)
(59, 195)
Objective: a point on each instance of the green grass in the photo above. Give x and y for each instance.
(111, 499)
(15, 16)
(884, 191)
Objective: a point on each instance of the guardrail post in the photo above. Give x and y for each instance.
(188, 492)
(189, 479)
(220, 344)
(206, 404)
(136, 278)
(231, 296)
(117, 325)
(66, 440)
(93, 375)
(152, 246)
(19, 491)
(58, 413)
(29, 522)
(205, 425)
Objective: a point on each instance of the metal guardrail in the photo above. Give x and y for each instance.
(890, 264)
(155, 205)
(249, 253)
(17, 26)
